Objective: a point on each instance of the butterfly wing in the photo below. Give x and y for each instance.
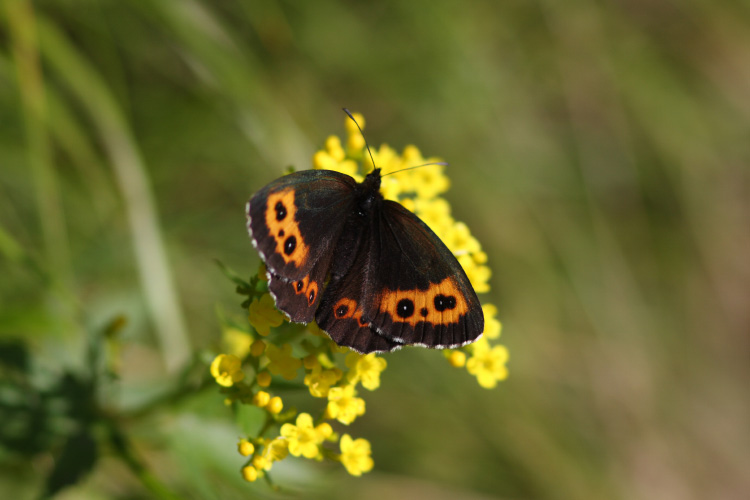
(300, 298)
(420, 294)
(404, 287)
(295, 223)
(340, 313)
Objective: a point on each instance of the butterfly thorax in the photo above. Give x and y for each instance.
(367, 193)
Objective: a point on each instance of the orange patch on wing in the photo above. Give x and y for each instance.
(312, 293)
(441, 304)
(347, 308)
(307, 288)
(283, 227)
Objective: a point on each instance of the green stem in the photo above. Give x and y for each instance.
(270, 483)
(266, 425)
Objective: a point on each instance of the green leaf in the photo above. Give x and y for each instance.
(76, 460)
(229, 273)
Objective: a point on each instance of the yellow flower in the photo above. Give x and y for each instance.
(333, 158)
(282, 362)
(275, 450)
(257, 347)
(319, 381)
(261, 463)
(263, 314)
(355, 455)
(365, 368)
(457, 358)
(245, 448)
(325, 430)
(343, 405)
(263, 379)
(480, 257)
(236, 341)
(333, 147)
(430, 181)
(488, 364)
(461, 240)
(436, 213)
(227, 369)
(310, 362)
(261, 399)
(249, 473)
(275, 405)
(481, 344)
(303, 438)
(492, 327)
(478, 275)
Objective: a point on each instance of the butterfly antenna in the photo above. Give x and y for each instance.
(363, 135)
(445, 164)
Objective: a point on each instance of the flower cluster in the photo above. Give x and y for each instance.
(299, 434)
(283, 356)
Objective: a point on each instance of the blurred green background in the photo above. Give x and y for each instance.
(598, 150)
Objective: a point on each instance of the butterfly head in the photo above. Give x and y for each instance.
(369, 192)
(371, 184)
(373, 178)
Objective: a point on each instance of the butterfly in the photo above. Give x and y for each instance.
(370, 273)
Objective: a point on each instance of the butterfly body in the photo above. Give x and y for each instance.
(368, 271)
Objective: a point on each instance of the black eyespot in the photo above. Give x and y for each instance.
(442, 302)
(341, 311)
(311, 298)
(405, 308)
(289, 245)
(299, 286)
(280, 211)
(281, 233)
(423, 312)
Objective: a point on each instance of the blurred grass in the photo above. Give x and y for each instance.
(599, 151)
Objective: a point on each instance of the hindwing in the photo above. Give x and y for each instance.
(300, 298)
(420, 294)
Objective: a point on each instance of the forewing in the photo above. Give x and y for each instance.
(294, 223)
(298, 218)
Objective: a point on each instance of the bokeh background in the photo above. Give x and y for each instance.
(598, 150)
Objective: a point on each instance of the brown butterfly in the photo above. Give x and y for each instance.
(368, 271)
